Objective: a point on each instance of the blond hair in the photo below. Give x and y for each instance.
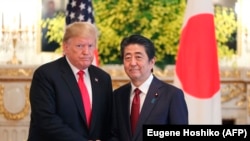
(80, 29)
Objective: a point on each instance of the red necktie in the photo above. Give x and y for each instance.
(85, 96)
(135, 109)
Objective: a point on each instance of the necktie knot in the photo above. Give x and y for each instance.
(137, 91)
(80, 73)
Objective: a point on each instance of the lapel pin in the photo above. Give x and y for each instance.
(154, 99)
(96, 80)
(156, 94)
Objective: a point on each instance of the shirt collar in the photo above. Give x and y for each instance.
(145, 85)
(74, 69)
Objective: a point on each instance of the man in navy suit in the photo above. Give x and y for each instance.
(160, 103)
(57, 109)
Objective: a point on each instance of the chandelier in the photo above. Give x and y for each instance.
(18, 20)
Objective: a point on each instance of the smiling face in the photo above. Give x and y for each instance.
(137, 64)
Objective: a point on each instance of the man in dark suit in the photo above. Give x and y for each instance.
(57, 109)
(159, 102)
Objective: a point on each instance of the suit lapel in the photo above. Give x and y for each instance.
(126, 107)
(122, 100)
(69, 78)
(95, 97)
(148, 105)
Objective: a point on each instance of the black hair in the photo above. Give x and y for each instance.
(141, 40)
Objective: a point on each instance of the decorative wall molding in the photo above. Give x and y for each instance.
(15, 83)
(13, 72)
(7, 101)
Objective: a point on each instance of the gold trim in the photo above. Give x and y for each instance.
(230, 73)
(15, 116)
(248, 74)
(20, 72)
(1, 98)
(248, 99)
(248, 104)
(231, 91)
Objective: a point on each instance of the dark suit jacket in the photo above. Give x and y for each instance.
(164, 104)
(57, 109)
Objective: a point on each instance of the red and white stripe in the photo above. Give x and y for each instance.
(96, 58)
(197, 69)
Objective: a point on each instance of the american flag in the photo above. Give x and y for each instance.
(81, 10)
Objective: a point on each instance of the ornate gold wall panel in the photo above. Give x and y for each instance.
(15, 81)
(16, 72)
(235, 85)
(14, 115)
